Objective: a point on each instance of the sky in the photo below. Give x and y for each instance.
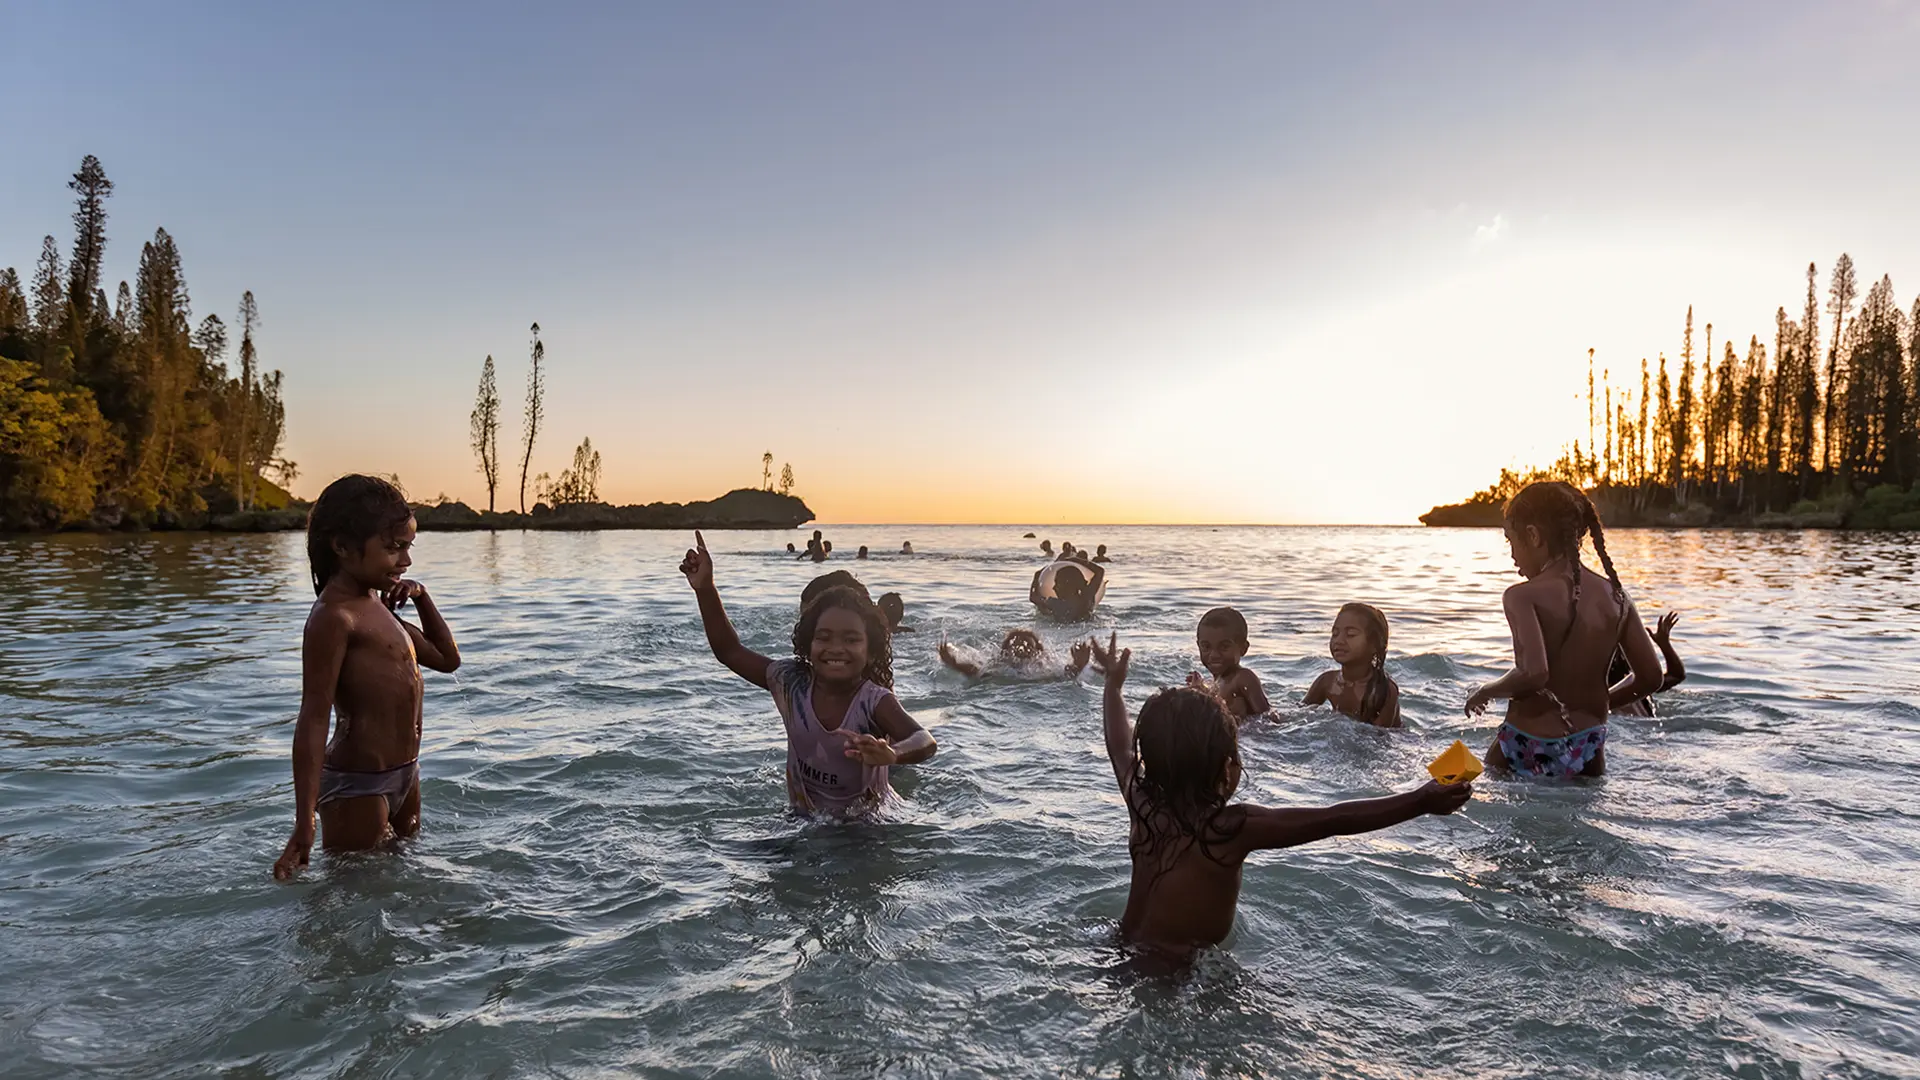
(984, 262)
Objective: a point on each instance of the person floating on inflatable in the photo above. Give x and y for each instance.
(1068, 589)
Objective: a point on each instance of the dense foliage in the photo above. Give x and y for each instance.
(125, 413)
(1826, 420)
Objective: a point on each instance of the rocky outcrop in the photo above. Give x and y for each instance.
(742, 509)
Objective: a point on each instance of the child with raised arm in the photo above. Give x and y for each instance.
(1567, 621)
(1620, 698)
(835, 696)
(1222, 641)
(360, 663)
(1176, 770)
(1022, 652)
(1359, 687)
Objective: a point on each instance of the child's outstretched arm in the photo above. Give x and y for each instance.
(1077, 658)
(1272, 827)
(1529, 674)
(323, 649)
(1646, 678)
(952, 660)
(907, 743)
(1113, 710)
(1663, 637)
(721, 638)
(433, 643)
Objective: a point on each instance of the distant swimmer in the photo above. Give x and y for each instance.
(862, 553)
(790, 550)
(361, 665)
(906, 548)
(1068, 591)
(1359, 687)
(825, 549)
(845, 728)
(1099, 555)
(1176, 771)
(894, 609)
(1066, 550)
(1617, 672)
(1046, 546)
(1022, 653)
(1222, 640)
(1556, 724)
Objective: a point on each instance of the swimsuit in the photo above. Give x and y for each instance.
(1559, 759)
(393, 784)
(820, 776)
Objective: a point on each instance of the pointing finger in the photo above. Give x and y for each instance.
(700, 541)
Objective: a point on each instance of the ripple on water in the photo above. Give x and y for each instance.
(608, 881)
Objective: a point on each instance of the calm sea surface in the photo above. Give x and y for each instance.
(608, 881)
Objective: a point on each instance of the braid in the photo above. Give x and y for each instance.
(1599, 534)
(1374, 698)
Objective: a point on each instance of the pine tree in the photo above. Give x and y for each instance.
(49, 290)
(92, 188)
(1806, 390)
(536, 388)
(1641, 462)
(766, 471)
(13, 302)
(786, 479)
(244, 462)
(1840, 295)
(1777, 394)
(126, 321)
(483, 427)
(1665, 463)
(1683, 417)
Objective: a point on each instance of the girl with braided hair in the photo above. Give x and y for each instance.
(1359, 687)
(1567, 620)
(845, 728)
(1177, 769)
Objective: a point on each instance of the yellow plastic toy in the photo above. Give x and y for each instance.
(1455, 765)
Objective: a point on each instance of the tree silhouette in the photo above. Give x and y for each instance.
(483, 426)
(13, 303)
(93, 188)
(536, 388)
(1840, 296)
(579, 484)
(249, 322)
(786, 479)
(766, 471)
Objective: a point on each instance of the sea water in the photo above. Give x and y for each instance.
(608, 881)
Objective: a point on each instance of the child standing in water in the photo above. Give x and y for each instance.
(1359, 687)
(835, 696)
(894, 610)
(1222, 641)
(1566, 621)
(1076, 591)
(1176, 771)
(361, 662)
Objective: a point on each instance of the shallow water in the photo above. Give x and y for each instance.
(608, 881)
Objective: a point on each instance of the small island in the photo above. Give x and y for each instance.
(744, 508)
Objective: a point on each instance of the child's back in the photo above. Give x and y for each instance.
(1176, 771)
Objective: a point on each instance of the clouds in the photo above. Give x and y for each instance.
(1485, 236)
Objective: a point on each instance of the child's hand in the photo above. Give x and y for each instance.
(1663, 630)
(1080, 653)
(1112, 660)
(1478, 701)
(870, 751)
(698, 565)
(294, 855)
(400, 592)
(1197, 681)
(1439, 798)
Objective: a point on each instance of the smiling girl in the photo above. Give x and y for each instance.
(844, 726)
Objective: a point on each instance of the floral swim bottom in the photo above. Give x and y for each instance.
(1557, 758)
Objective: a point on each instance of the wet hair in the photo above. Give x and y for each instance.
(1182, 744)
(351, 511)
(891, 606)
(839, 579)
(1225, 618)
(1034, 649)
(1564, 515)
(879, 667)
(1374, 697)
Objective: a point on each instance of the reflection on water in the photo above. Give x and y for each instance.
(607, 880)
